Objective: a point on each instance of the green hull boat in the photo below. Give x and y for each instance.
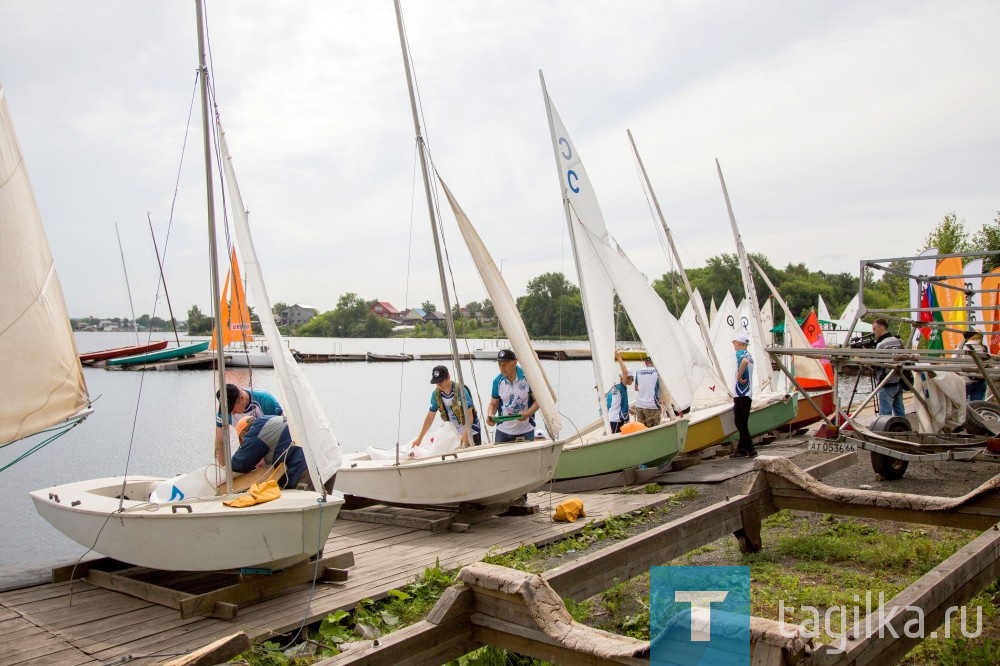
(162, 355)
(603, 454)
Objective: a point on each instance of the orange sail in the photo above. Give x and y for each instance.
(223, 317)
(239, 312)
(233, 310)
(991, 309)
(814, 334)
(952, 296)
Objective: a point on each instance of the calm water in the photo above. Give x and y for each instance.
(162, 424)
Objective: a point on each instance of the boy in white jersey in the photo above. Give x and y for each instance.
(648, 409)
(511, 395)
(743, 397)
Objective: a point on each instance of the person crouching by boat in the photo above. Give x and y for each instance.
(975, 385)
(443, 403)
(890, 396)
(268, 440)
(243, 402)
(743, 397)
(617, 397)
(511, 395)
(648, 409)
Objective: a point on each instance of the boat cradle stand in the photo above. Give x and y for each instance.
(204, 593)
(433, 518)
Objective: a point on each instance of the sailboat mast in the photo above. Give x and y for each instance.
(751, 293)
(220, 359)
(448, 315)
(702, 325)
(163, 279)
(135, 326)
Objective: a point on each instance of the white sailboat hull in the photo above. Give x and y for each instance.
(249, 360)
(479, 474)
(190, 535)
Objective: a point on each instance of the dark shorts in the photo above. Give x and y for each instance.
(504, 437)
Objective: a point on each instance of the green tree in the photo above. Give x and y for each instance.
(277, 308)
(552, 307)
(987, 239)
(428, 307)
(949, 236)
(352, 318)
(199, 324)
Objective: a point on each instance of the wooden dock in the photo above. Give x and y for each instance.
(77, 623)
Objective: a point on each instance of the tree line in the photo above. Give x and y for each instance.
(552, 306)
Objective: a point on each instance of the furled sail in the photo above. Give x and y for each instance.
(308, 423)
(510, 318)
(39, 363)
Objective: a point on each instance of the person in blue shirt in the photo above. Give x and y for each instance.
(743, 397)
(268, 440)
(443, 403)
(243, 402)
(617, 397)
(512, 395)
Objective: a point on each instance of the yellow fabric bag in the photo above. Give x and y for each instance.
(569, 510)
(258, 494)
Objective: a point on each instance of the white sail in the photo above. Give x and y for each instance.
(39, 363)
(767, 321)
(821, 310)
(712, 312)
(510, 318)
(308, 423)
(851, 309)
(680, 363)
(579, 200)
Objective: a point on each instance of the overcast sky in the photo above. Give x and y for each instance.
(846, 131)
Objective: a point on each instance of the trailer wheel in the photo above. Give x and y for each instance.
(982, 417)
(885, 466)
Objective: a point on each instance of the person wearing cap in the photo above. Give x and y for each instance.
(648, 409)
(512, 395)
(243, 402)
(743, 397)
(890, 396)
(267, 440)
(975, 385)
(443, 403)
(617, 397)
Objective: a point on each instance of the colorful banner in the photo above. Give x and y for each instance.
(951, 296)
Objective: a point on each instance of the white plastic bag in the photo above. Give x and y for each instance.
(202, 482)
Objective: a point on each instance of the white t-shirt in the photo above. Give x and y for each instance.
(647, 388)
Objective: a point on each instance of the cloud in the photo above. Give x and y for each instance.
(835, 122)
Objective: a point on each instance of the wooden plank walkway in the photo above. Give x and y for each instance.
(77, 623)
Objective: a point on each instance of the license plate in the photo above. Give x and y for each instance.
(832, 447)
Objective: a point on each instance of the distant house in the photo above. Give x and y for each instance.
(385, 309)
(413, 316)
(434, 317)
(296, 315)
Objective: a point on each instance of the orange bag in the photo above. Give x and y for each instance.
(632, 426)
(569, 510)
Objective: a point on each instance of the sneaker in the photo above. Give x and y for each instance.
(753, 453)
